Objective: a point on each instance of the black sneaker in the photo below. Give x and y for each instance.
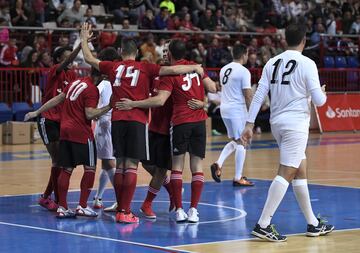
(269, 233)
(321, 229)
(216, 172)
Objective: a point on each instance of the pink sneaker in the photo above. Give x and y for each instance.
(127, 218)
(48, 203)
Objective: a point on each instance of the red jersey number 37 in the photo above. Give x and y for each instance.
(188, 78)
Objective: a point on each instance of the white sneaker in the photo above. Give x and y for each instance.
(63, 213)
(111, 208)
(181, 215)
(88, 212)
(98, 203)
(193, 215)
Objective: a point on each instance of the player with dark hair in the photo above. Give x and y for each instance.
(291, 79)
(130, 79)
(188, 131)
(58, 77)
(236, 95)
(77, 145)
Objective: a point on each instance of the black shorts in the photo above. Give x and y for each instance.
(49, 130)
(160, 151)
(189, 137)
(73, 154)
(130, 140)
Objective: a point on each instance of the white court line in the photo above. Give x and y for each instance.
(242, 212)
(93, 237)
(255, 238)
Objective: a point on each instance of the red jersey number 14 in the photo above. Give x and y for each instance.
(130, 73)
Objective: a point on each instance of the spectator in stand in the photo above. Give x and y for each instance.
(331, 24)
(296, 9)
(174, 23)
(347, 22)
(89, 18)
(159, 49)
(169, 5)
(161, 20)
(252, 62)
(60, 5)
(217, 55)
(38, 6)
(264, 57)
(281, 45)
(219, 20)
(121, 10)
(73, 14)
(199, 53)
(4, 33)
(268, 47)
(19, 15)
(8, 57)
(107, 38)
(75, 35)
(31, 60)
(315, 37)
(253, 46)
(221, 36)
(147, 21)
(149, 47)
(63, 42)
(197, 7)
(186, 23)
(45, 60)
(206, 21)
(5, 14)
(309, 27)
(230, 20)
(126, 34)
(355, 27)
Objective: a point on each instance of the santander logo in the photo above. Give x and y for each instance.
(330, 113)
(342, 113)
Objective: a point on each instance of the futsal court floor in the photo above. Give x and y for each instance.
(227, 213)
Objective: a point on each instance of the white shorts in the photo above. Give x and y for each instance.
(292, 145)
(103, 140)
(234, 127)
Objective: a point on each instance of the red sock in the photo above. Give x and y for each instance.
(176, 185)
(128, 188)
(197, 183)
(118, 182)
(151, 194)
(167, 186)
(55, 173)
(63, 187)
(49, 188)
(87, 182)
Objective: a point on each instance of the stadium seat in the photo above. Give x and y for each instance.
(36, 106)
(340, 62)
(352, 62)
(329, 62)
(19, 110)
(5, 113)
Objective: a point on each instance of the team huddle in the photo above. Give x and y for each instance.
(117, 97)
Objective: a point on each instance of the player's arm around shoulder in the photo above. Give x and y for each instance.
(209, 85)
(126, 104)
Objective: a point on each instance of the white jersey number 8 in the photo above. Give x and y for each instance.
(188, 79)
(75, 90)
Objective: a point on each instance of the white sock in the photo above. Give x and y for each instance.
(103, 179)
(302, 195)
(239, 161)
(111, 174)
(227, 150)
(276, 193)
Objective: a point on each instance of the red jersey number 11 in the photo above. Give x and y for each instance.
(130, 73)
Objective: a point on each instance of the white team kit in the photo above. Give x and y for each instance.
(233, 79)
(103, 124)
(290, 77)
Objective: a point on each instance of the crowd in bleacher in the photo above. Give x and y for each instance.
(262, 16)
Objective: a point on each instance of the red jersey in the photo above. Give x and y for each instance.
(55, 84)
(160, 116)
(74, 126)
(130, 79)
(184, 88)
